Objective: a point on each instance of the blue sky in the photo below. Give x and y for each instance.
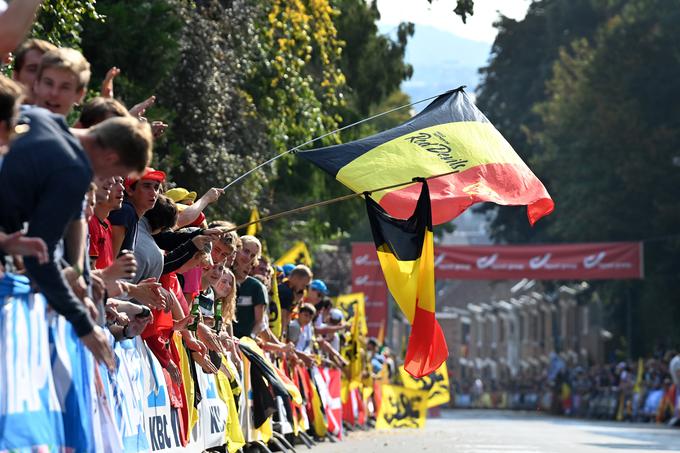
(444, 52)
(440, 15)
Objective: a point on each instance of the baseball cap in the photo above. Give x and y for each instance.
(287, 268)
(180, 194)
(320, 286)
(336, 315)
(149, 174)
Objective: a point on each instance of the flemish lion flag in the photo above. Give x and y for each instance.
(435, 384)
(406, 254)
(297, 254)
(401, 408)
(449, 137)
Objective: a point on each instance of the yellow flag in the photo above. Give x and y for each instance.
(435, 384)
(637, 388)
(319, 422)
(381, 333)
(354, 308)
(187, 380)
(234, 434)
(254, 228)
(275, 315)
(298, 254)
(401, 408)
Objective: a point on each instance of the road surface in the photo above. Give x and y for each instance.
(482, 431)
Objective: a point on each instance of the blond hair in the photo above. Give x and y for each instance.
(229, 301)
(70, 60)
(130, 138)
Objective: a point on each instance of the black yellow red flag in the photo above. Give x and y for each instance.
(406, 253)
(450, 139)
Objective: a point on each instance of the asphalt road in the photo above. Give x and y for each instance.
(481, 431)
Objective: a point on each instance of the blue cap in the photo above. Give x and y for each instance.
(287, 268)
(320, 286)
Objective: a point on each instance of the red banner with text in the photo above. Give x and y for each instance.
(589, 261)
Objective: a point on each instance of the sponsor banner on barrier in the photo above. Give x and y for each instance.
(402, 408)
(435, 384)
(162, 424)
(30, 413)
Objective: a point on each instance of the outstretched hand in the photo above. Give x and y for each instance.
(107, 84)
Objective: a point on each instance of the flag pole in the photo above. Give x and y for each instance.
(316, 139)
(318, 204)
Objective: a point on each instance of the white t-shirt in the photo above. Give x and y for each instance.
(304, 342)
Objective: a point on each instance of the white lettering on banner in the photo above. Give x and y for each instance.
(614, 265)
(543, 262)
(365, 280)
(538, 262)
(486, 261)
(439, 259)
(216, 423)
(28, 361)
(365, 260)
(453, 267)
(591, 261)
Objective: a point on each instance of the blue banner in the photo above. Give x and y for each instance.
(30, 413)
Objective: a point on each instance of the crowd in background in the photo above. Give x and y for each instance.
(124, 255)
(638, 391)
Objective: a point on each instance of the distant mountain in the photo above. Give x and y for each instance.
(441, 61)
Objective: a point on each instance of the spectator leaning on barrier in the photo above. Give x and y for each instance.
(141, 195)
(251, 294)
(292, 290)
(43, 181)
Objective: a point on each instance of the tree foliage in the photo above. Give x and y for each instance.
(514, 81)
(61, 22)
(594, 109)
(240, 81)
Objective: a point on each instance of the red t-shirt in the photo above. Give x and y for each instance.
(101, 242)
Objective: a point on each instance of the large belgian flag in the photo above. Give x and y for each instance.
(450, 137)
(406, 254)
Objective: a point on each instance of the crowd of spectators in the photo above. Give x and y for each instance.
(645, 390)
(123, 253)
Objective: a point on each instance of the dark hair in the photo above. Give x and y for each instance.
(324, 303)
(163, 215)
(11, 95)
(30, 44)
(99, 109)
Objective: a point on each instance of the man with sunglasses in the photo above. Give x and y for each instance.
(292, 290)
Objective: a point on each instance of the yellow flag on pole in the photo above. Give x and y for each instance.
(254, 228)
(435, 384)
(297, 254)
(402, 407)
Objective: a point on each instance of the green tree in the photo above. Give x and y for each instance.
(610, 129)
(515, 79)
(61, 22)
